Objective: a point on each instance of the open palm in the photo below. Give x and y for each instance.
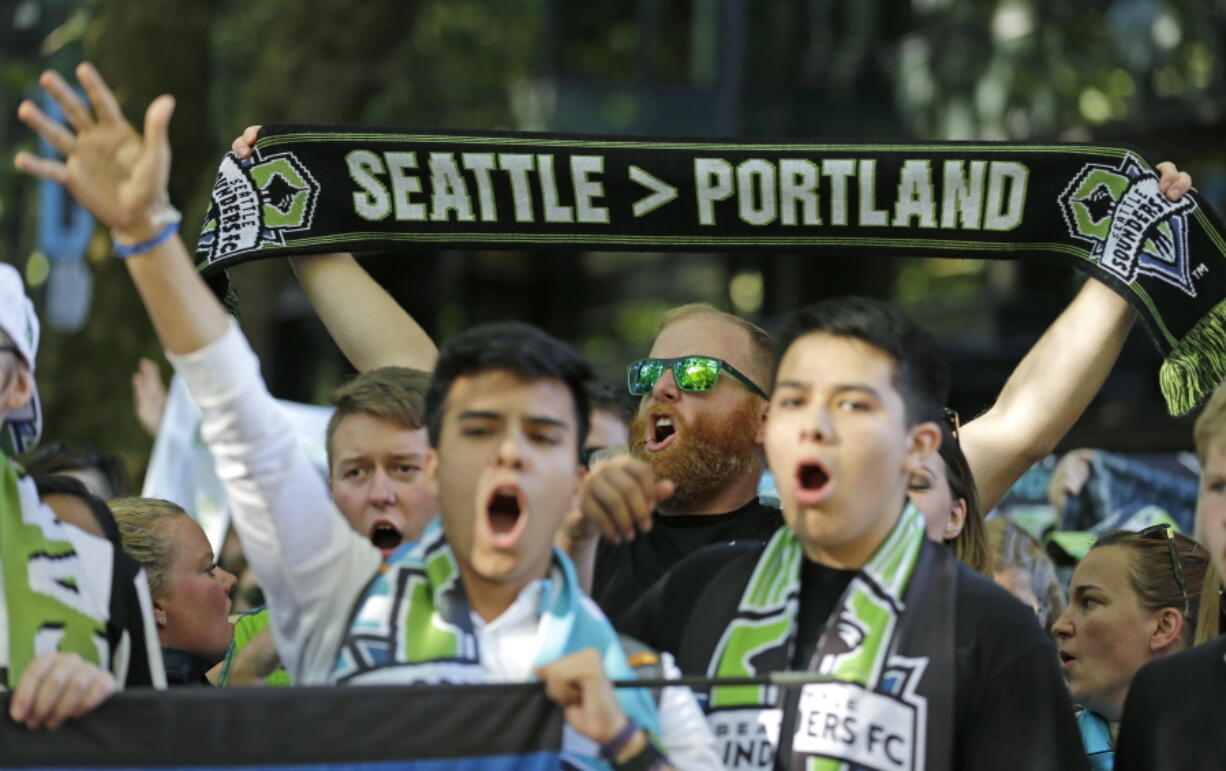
(117, 174)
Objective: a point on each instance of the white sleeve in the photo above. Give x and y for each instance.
(687, 737)
(310, 564)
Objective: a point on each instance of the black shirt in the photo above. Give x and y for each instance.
(1011, 707)
(183, 668)
(1173, 715)
(624, 572)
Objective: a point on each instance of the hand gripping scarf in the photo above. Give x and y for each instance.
(412, 624)
(888, 647)
(311, 189)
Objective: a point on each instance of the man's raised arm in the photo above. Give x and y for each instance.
(367, 324)
(1055, 382)
(309, 562)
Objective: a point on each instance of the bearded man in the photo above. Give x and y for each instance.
(699, 430)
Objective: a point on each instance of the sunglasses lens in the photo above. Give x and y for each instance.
(696, 373)
(644, 375)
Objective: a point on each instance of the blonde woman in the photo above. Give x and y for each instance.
(191, 594)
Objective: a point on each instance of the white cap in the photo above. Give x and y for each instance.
(17, 317)
(22, 426)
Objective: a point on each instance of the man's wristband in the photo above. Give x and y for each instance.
(647, 759)
(168, 218)
(613, 747)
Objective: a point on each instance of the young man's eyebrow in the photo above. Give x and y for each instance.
(861, 387)
(836, 388)
(479, 415)
(547, 421)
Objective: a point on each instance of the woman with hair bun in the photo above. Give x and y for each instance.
(191, 594)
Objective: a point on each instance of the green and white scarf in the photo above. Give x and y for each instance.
(413, 624)
(1096, 209)
(51, 592)
(891, 631)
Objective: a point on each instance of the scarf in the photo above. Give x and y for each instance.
(891, 632)
(414, 617)
(1096, 737)
(49, 588)
(310, 189)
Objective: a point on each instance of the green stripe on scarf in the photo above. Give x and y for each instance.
(1094, 208)
(861, 641)
(44, 579)
(413, 623)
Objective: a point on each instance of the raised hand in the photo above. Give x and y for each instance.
(117, 174)
(245, 142)
(148, 395)
(1172, 181)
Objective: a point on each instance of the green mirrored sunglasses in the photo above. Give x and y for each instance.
(691, 373)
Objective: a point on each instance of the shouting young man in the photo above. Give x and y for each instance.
(930, 664)
(484, 596)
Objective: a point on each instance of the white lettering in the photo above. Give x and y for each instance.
(373, 203)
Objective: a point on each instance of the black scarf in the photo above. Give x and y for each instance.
(312, 189)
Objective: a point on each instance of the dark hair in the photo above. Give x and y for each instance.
(970, 545)
(615, 400)
(59, 458)
(508, 346)
(59, 484)
(1152, 574)
(397, 394)
(921, 374)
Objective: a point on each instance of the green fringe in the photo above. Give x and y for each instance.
(1197, 364)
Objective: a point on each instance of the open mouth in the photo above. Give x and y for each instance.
(1065, 658)
(662, 433)
(385, 536)
(505, 514)
(813, 483)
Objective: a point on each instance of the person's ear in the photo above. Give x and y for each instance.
(759, 438)
(429, 467)
(159, 616)
(957, 520)
(923, 441)
(22, 389)
(1168, 631)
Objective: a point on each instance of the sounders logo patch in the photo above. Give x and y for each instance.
(255, 203)
(1133, 228)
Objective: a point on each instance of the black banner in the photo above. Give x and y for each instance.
(1095, 208)
(420, 728)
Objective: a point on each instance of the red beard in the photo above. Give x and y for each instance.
(706, 457)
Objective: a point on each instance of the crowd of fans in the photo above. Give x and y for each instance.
(479, 495)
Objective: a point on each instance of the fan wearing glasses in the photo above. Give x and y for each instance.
(695, 460)
(1134, 598)
(691, 478)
